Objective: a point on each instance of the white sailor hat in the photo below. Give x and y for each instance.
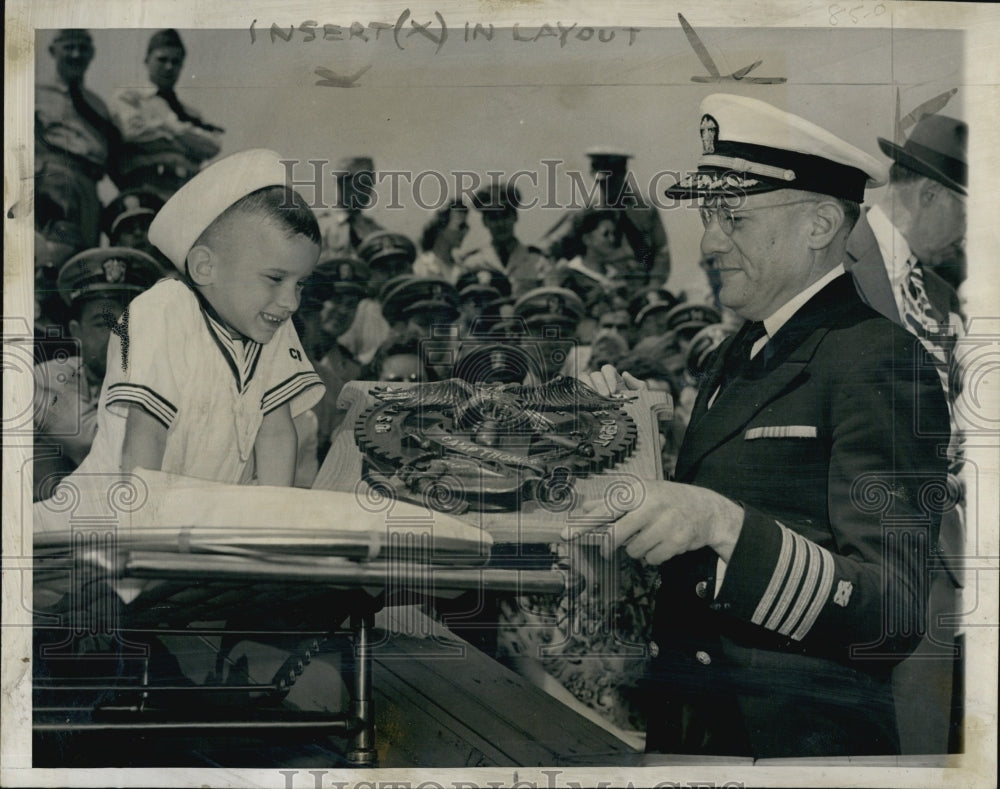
(193, 207)
(750, 147)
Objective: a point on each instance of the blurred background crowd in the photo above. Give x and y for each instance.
(593, 290)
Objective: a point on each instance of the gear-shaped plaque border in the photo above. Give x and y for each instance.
(491, 447)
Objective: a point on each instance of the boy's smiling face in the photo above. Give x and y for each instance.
(255, 275)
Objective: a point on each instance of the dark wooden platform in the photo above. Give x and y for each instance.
(469, 711)
(437, 704)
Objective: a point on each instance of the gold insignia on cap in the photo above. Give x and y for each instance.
(436, 292)
(114, 270)
(346, 272)
(709, 130)
(709, 181)
(555, 305)
(131, 202)
(484, 278)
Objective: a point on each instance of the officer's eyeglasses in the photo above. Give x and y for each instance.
(726, 216)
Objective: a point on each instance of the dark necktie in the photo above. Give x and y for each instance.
(738, 360)
(919, 317)
(104, 127)
(183, 116)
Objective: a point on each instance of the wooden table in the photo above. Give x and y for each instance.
(197, 586)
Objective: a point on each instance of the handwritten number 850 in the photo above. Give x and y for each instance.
(837, 10)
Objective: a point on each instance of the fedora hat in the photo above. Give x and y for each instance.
(936, 148)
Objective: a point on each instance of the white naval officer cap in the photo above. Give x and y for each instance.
(750, 147)
(193, 207)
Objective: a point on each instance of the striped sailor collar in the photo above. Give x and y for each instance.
(241, 353)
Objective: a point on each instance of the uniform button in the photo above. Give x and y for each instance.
(657, 582)
(654, 649)
(701, 589)
(703, 657)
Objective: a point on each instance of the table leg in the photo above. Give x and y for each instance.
(361, 746)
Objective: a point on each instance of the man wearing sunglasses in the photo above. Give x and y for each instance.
(793, 545)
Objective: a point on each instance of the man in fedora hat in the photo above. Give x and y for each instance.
(920, 217)
(918, 220)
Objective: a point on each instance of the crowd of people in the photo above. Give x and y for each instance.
(379, 299)
(766, 562)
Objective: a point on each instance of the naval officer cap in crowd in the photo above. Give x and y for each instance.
(108, 272)
(550, 306)
(426, 300)
(385, 248)
(335, 278)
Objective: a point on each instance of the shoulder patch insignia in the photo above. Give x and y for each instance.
(843, 594)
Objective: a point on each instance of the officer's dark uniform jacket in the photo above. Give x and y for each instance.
(821, 441)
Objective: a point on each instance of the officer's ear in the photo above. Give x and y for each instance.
(827, 220)
(202, 265)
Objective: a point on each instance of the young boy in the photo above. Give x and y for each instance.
(205, 374)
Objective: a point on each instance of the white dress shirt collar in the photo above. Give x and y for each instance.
(784, 313)
(895, 251)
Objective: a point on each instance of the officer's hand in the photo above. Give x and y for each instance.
(607, 381)
(663, 519)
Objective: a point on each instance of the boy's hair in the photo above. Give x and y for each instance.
(280, 205)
